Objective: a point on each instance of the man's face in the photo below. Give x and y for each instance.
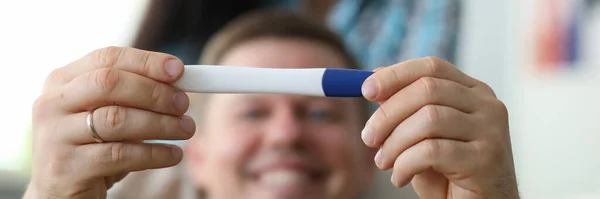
(280, 146)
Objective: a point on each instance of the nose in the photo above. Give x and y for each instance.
(284, 130)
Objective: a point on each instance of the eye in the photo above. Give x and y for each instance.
(253, 114)
(320, 115)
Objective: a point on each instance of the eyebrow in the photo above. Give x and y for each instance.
(251, 98)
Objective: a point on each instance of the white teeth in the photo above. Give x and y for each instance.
(283, 178)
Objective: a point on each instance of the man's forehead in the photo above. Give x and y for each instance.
(282, 53)
(255, 97)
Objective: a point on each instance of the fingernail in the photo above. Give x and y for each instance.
(174, 67)
(188, 125)
(366, 135)
(181, 101)
(392, 180)
(378, 158)
(370, 89)
(176, 151)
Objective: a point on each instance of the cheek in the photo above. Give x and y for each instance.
(340, 148)
(231, 145)
(228, 150)
(339, 145)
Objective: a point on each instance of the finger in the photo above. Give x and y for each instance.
(105, 159)
(378, 68)
(117, 123)
(385, 82)
(449, 157)
(431, 178)
(426, 91)
(115, 87)
(158, 66)
(430, 122)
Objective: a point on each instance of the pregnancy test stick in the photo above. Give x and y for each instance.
(327, 82)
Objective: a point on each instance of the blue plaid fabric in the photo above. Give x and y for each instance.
(378, 32)
(385, 32)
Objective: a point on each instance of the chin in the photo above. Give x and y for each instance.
(289, 184)
(290, 194)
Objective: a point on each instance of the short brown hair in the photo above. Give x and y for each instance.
(273, 24)
(281, 24)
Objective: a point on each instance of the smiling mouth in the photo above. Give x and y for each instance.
(287, 174)
(287, 178)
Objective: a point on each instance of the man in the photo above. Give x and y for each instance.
(437, 128)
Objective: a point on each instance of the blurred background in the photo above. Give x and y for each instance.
(542, 57)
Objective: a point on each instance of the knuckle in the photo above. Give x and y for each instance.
(154, 153)
(145, 67)
(500, 115)
(105, 79)
(497, 107)
(54, 75)
(106, 57)
(434, 65)
(433, 148)
(432, 114)
(431, 118)
(430, 88)
(156, 93)
(115, 118)
(41, 106)
(53, 80)
(487, 88)
(116, 153)
(382, 113)
(397, 72)
(166, 125)
(501, 108)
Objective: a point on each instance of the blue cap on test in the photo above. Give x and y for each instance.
(344, 82)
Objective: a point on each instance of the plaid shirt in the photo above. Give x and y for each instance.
(385, 32)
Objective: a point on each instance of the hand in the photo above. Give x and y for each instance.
(440, 129)
(129, 94)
